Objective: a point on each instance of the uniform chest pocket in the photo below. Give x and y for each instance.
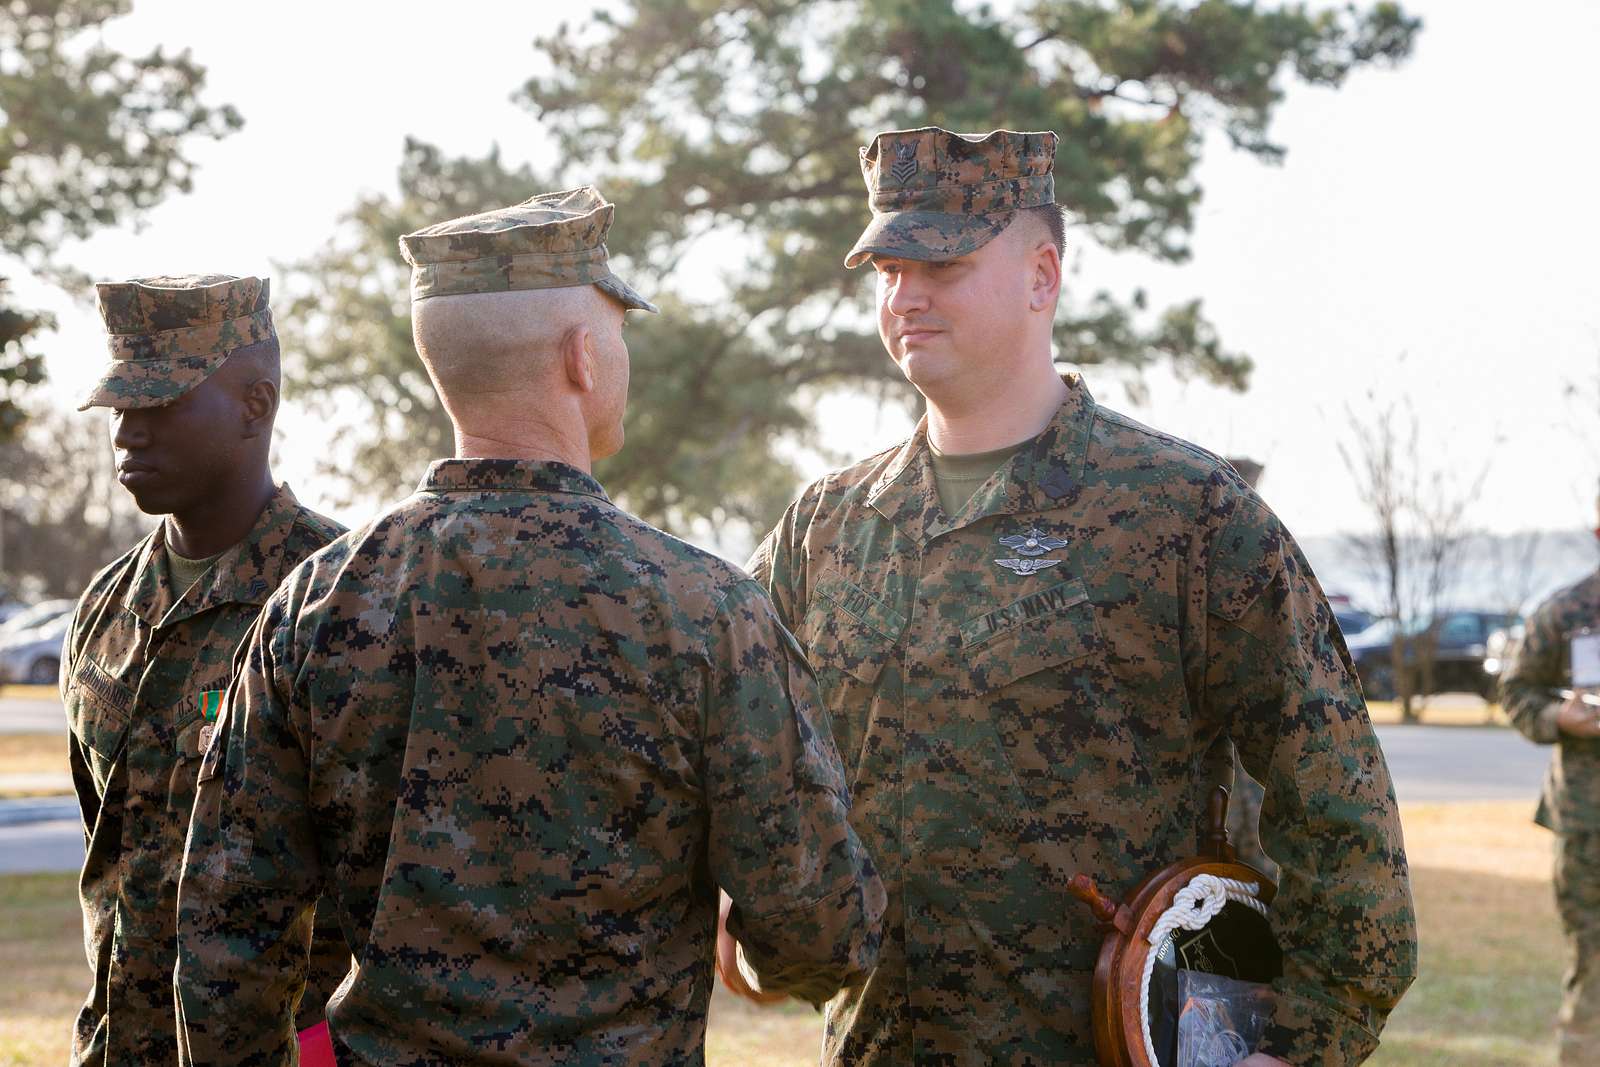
(850, 638)
(1039, 664)
(1051, 628)
(98, 707)
(848, 630)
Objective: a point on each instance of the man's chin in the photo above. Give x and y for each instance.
(927, 370)
(152, 500)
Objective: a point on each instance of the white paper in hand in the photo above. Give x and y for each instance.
(1586, 659)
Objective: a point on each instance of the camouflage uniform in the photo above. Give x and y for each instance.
(1570, 804)
(145, 668)
(528, 737)
(1029, 689)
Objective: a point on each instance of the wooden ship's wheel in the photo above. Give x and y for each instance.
(1207, 913)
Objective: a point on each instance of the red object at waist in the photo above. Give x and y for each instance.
(316, 1047)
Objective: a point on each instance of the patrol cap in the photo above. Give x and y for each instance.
(938, 195)
(168, 334)
(546, 242)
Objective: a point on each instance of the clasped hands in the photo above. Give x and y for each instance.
(733, 978)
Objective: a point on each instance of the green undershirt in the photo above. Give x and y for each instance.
(185, 572)
(957, 477)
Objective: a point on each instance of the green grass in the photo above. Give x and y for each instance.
(41, 955)
(1491, 959)
(34, 754)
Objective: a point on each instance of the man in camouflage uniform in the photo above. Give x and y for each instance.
(193, 390)
(1570, 805)
(1025, 675)
(527, 735)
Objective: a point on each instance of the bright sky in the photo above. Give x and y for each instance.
(1433, 231)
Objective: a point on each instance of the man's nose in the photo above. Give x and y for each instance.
(907, 295)
(129, 429)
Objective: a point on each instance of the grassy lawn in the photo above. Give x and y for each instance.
(1450, 710)
(33, 754)
(41, 953)
(28, 692)
(1491, 958)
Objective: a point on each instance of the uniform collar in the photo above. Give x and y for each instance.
(507, 475)
(246, 573)
(1037, 478)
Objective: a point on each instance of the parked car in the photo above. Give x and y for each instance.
(1352, 620)
(26, 619)
(1498, 650)
(1458, 641)
(33, 655)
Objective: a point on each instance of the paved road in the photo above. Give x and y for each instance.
(1451, 764)
(1430, 764)
(31, 716)
(53, 845)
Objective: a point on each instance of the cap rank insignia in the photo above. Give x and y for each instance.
(904, 167)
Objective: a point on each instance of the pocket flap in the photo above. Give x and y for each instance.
(861, 605)
(1043, 629)
(104, 705)
(848, 629)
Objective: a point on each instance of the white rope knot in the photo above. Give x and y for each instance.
(1196, 904)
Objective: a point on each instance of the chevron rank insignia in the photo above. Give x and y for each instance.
(905, 166)
(1026, 567)
(1032, 543)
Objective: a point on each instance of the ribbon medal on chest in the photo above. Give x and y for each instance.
(210, 705)
(1029, 547)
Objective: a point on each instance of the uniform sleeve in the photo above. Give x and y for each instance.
(251, 872)
(1281, 678)
(778, 565)
(77, 759)
(1528, 687)
(807, 901)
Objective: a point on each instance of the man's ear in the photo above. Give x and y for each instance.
(260, 405)
(577, 358)
(1045, 277)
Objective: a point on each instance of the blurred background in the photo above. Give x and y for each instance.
(1349, 246)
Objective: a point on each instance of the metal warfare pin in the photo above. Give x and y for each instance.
(1026, 567)
(905, 165)
(1032, 543)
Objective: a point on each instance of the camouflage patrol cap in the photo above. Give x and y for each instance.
(168, 334)
(546, 242)
(940, 195)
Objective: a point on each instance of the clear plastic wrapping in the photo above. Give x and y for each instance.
(1220, 1020)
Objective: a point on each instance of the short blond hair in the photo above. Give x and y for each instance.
(477, 343)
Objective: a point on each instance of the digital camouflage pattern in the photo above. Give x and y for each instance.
(527, 736)
(1570, 803)
(1540, 666)
(1577, 885)
(145, 665)
(546, 242)
(1030, 689)
(168, 334)
(941, 195)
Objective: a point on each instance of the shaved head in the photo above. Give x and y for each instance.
(540, 369)
(499, 342)
(252, 363)
(1043, 223)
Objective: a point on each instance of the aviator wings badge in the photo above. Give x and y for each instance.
(1026, 567)
(1032, 543)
